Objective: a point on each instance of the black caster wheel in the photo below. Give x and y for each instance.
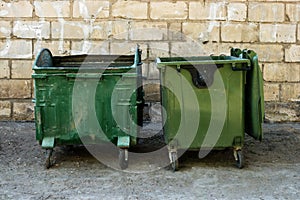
(123, 158)
(174, 162)
(49, 159)
(240, 159)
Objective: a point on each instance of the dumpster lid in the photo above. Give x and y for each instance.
(200, 60)
(254, 101)
(46, 60)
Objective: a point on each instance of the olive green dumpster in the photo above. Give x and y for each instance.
(211, 102)
(88, 99)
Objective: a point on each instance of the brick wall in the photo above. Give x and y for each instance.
(162, 28)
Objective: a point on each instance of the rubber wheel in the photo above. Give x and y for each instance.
(240, 159)
(174, 162)
(122, 162)
(48, 161)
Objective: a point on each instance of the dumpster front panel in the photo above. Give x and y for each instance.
(234, 94)
(88, 80)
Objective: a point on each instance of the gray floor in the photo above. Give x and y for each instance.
(272, 170)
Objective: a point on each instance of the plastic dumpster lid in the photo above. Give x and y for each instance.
(254, 100)
(200, 60)
(45, 59)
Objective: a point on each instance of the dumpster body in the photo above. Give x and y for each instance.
(90, 98)
(210, 102)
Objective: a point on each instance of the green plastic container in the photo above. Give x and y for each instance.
(90, 98)
(210, 102)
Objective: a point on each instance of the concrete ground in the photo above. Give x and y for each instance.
(272, 170)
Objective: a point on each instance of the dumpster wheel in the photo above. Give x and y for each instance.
(239, 157)
(123, 158)
(49, 159)
(174, 161)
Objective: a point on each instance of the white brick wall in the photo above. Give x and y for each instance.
(237, 32)
(281, 33)
(162, 28)
(266, 12)
(168, 10)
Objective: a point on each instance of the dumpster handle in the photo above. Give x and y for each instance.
(85, 75)
(244, 68)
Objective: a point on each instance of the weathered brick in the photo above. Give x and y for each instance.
(187, 48)
(290, 91)
(274, 0)
(130, 9)
(90, 9)
(5, 110)
(119, 30)
(5, 29)
(267, 52)
(152, 91)
(298, 33)
(90, 47)
(4, 69)
(282, 111)
(16, 9)
(144, 70)
(56, 47)
(236, 32)
(153, 72)
(292, 54)
(15, 89)
(148, 31)
(31, 29)
(52, 8)
(15, 49)
(293, 12)
(174, 32)
(271, 92)
(168, 10)
(158, 49)
(266, 12)
(70, 30)
(217, 48)
(127, 48)
(110, 29)
(202, 32)
(202, 10)
(21, 69)
(101, 30)
(281, 72)
(285, 33)
(237, 11)
(23, 111)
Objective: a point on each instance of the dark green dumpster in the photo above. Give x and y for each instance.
(211, 102)
(90, 98)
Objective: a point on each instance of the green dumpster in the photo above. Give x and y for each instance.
(211, 102)
(88, 99)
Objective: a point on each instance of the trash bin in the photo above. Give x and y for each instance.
(75, 95)
(211, 102)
